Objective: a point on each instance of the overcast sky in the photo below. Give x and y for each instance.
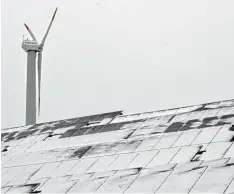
(107, 55)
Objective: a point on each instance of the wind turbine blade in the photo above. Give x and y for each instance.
(48, 29)
(39, 59)
(30, 32)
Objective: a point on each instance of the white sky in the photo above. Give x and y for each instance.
(107, 55)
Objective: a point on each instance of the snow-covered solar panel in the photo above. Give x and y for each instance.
(181, 150)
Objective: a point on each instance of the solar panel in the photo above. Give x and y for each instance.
(186, 150)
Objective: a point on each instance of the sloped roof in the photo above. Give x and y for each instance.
(187, 149)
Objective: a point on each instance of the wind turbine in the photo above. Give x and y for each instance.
(32, 47)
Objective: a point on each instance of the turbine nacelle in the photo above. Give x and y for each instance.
(30, 45)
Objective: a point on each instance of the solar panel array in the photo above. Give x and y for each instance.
(187, 150)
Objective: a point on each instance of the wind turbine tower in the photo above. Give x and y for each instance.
(34, 49)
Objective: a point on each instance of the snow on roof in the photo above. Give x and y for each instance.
(186, 150)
